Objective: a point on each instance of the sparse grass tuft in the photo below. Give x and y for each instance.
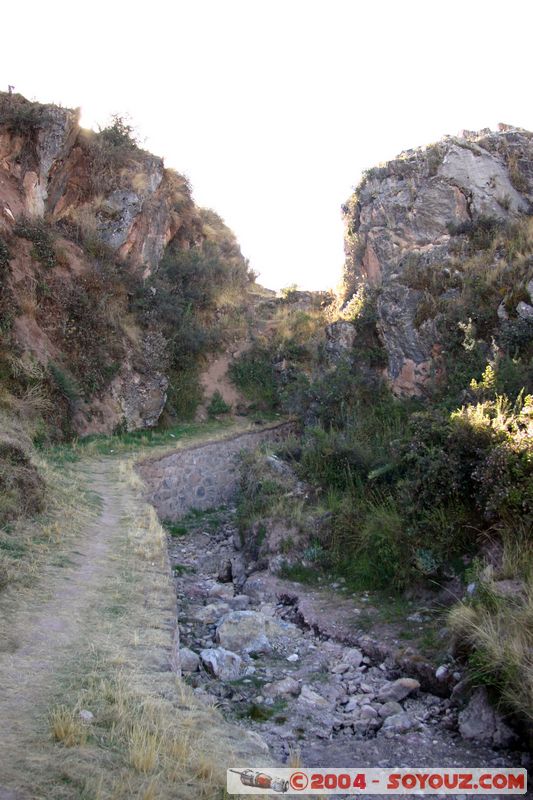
(67, 727)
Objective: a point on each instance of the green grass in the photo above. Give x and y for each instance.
(118, 444)
(262, 713)
(195, 520)
(300, 573)
(175, 530)
(182, 569)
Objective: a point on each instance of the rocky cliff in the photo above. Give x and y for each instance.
(413, 222)
(85, 221)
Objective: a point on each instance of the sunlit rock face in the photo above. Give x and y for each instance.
(102, 201)
(413, 210)
(125, 196)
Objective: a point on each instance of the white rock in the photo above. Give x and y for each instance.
(293, 658)
(524, 310)
(389, 709)
(240, 602)
(367, 712)
(351, 705)
(86, 716)
(352, 656)
(481, 722)
(221, 663)
(441, 672)
(398, 723)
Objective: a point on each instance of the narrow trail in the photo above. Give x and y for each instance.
(51, 625)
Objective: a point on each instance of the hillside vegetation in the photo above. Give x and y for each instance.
(424, 485)
(114, 289)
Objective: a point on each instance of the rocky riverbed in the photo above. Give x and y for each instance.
(264, 649)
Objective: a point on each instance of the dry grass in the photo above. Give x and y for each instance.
(67, 727)
(27, 543)
(150, 737)
(497, 627)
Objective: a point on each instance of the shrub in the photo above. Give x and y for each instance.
(21, 117)
(21, 487)
(217, 405)
(38, 232)
(481, 232)
(5, 257)
(334, 459)
(253, 373)
(65, 383)
(290, 293)
(119, 133)
(184, 393)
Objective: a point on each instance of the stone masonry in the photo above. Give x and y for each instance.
(203, 476)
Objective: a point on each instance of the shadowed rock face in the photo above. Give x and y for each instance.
(409, 208)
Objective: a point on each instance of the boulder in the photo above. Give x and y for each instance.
(221, 663)
(398, 723)
(480, 722)
(246, 631)
(405, 221)
(398, 690)
(240, 602)
(352, 657)
(211, 613)
(524, 310)
(225, 572)
(340, 339)
(308, 697)
(188, 660)
(389, 709)
(223, 591)
(282, 688)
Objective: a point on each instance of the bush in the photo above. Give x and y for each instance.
(184, 393)
(253, 373)
(290, 293)
(21, 487)
(21, 117)
(217, 405)
(38, 232)
(119, 133)
(480, 232)
(65, 383)
(5, 257)
(335, 460)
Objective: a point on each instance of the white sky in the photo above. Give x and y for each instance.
(274, 107)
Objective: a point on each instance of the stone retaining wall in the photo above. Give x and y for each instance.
(204, 476)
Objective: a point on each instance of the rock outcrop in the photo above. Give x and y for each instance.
(413, 212)
(85, 219)
(112, 189)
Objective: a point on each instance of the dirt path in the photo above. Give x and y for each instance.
(52, 625)
(95, 632)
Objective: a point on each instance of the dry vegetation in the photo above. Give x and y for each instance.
(104, 585)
